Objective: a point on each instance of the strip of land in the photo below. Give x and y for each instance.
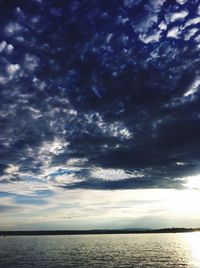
(87, 232)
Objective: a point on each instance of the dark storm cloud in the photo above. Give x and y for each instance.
(112, 82)
(125, 184)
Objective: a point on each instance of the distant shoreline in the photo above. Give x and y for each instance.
(88, 232)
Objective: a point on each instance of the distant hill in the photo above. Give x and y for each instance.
(108, 231)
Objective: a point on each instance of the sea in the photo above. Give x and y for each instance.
(111, 250)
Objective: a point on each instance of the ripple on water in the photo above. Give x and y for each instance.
(121, 250)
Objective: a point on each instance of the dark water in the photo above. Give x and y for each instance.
(126, 250)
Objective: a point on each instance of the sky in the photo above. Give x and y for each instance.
(99, 114)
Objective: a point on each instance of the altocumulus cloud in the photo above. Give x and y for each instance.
(99, 94)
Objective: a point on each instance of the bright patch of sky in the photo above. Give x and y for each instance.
(82, 209)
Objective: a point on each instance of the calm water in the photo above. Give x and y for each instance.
(126, 250)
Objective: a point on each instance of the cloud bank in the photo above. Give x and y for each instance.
(99, 94)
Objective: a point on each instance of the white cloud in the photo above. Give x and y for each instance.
(50, 148)
(122, 20)
(13, 28)
(25, 187)
(31, 62)
(190, 33)
(3, 80)
(193, 88)
(45, 154)
(181, 2)
(114, 174)
(9, 172)
(12, 69)
(35, 19)
(41, 85)
(76, 162)
(35, 112)
(19, 11)
(19, 38)
(172, 17)
(157, 4)
(198, 10)
(174, 33)
(116, 129)
(96, 91)
(146, 23)
(10, 48)
(162, 26)
(109, 37)
(65, 179)
(197, 38)
(11, 169)
(180, 163)
(150, 38)
(191, 22)
(3, 45)
(130, 3)
(72, 112)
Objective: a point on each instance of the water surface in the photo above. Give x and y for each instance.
(116, 250)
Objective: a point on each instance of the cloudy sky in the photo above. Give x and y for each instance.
(99, 114)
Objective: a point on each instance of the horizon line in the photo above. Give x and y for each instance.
(100, 231)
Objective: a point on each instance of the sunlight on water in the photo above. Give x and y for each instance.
(193, 242)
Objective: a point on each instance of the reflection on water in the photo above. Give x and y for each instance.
(126, 250)
(192, 241)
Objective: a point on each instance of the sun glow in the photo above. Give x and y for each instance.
(193, 182)
(186, 202)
